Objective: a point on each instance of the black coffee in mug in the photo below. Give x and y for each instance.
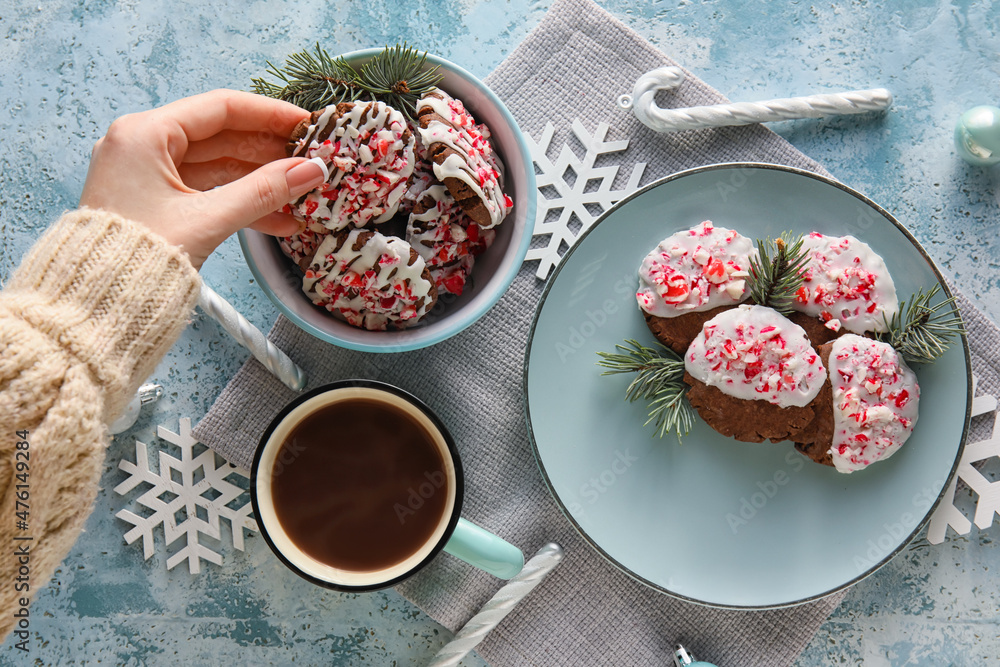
(357, 485)
(360, 484)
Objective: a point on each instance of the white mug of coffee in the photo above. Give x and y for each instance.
(357, 485)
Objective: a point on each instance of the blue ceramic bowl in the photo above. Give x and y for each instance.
(494, 270)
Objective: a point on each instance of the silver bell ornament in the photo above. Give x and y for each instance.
(147, 393)
(684, 659)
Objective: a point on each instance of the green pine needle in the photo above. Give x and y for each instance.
(311, 80)
(398, 76)
(921, 332)
(660, 381)
(393, 75)
(778, 272)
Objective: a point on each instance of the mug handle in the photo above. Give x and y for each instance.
(481, 548)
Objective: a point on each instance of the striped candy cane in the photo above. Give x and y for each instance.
(251, 338)
(644, 107)
(501, 604)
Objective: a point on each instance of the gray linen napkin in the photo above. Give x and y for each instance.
(574, 65)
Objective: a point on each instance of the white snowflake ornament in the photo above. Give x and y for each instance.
(988, 504)
(574, 200)
(175, 493)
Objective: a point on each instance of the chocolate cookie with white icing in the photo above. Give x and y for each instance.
(369, 151)
(753, 375)
(846, 285)
(301, 246)
(872, 407)
(372, 281)
(446, 238)
(463, 157)
(689, 278)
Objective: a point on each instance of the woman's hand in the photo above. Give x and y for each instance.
(198, 169)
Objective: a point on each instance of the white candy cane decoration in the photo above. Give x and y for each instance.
(501, 604)
(644, 107)
(251, 338)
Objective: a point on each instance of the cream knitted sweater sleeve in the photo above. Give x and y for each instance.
(95, 304)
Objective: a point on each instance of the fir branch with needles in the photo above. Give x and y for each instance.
(311, 80)
(397, 76)
(921, 332)
(778, 272)
(659, 381)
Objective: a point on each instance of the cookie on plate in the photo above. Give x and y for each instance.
(846, 285)
(463, 157)
(689, 278)
(372, 281)
(754, 375)
(873, 405)
(368, 150)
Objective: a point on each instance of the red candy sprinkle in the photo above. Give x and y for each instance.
(715, 269)
(903, 398)
(677, 289)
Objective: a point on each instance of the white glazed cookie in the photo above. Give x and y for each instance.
(446, 238)
(423, 172)
(422, 178)
(301, 246)
(369, 151)
(846, 284)
(875, 400)
(755, 353)
(371, 280)
(695, 270)
(463, 157)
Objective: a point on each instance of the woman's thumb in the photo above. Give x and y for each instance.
(266, 189)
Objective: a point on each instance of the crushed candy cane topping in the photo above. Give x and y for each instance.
(755, 353)
(695, 270)
(302, 245)
(875, 399)
(446, 238)
(473, 160)
(374, 286)
(423, 178)
(451, 279)
(846, 282)
(369, 151)
(423, 173)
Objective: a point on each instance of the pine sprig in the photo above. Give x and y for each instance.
(660, 372)
(921, 332)
(778, 272)
(311, 80)
(398, 76)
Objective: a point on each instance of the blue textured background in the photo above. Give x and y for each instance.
(69, 68)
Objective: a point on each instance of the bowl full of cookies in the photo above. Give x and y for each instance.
(427, 212)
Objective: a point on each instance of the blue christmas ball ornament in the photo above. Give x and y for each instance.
(977, 136)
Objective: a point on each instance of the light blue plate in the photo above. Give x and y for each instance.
(713, 520)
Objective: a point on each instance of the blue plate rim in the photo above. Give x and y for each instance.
(467, 319)
(716, 167)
